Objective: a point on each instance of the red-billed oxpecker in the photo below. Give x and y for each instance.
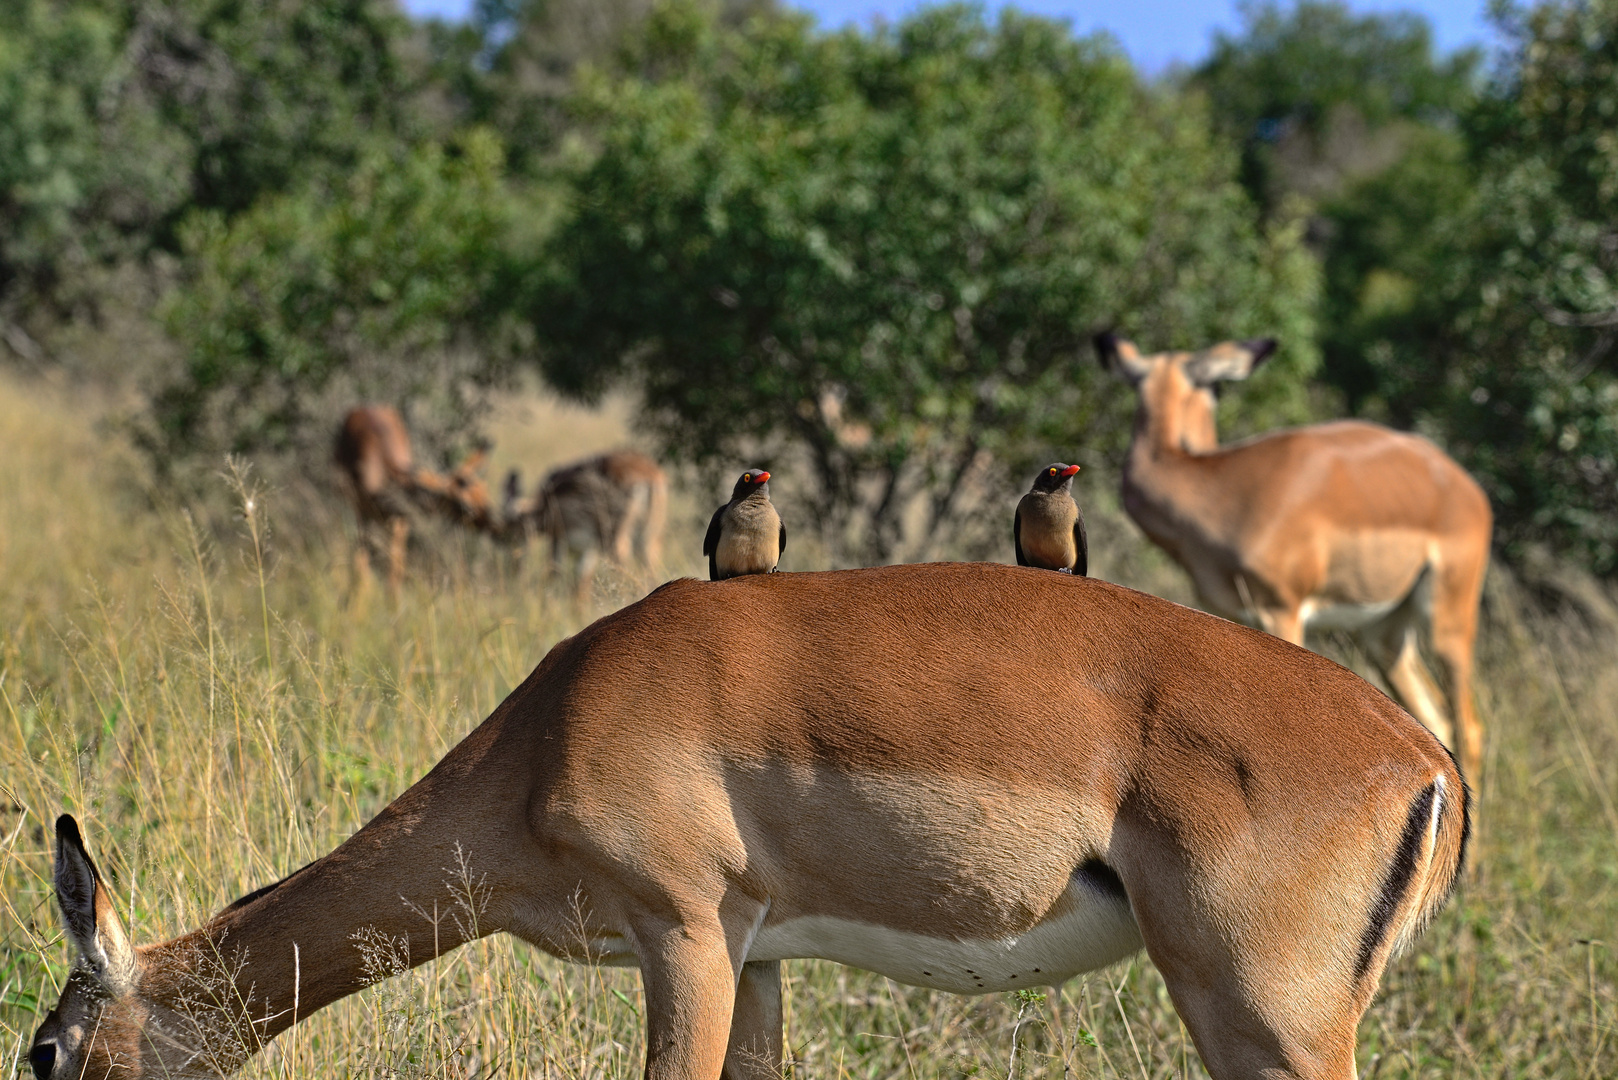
(746, 535)
(1049, 530)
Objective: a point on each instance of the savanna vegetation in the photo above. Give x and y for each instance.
(218, 713)
(870, 259)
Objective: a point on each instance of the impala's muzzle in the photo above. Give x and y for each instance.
(42, 1059)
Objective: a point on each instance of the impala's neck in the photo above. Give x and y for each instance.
(1199, 432)
(1163, 485)
(409, 886)
(1160, 430)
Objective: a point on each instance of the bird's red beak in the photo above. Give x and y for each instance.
(1071, 470)
(761, 477)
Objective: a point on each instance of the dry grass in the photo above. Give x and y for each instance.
(217, 716)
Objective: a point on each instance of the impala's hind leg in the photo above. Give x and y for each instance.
(629, 524)
(1457, 591)
(1396, 650)
(651, 537)
(1258, 959)
(1285, 623)
(362, 578)
(755, 1051)
(1246, 1026)
(398, 545)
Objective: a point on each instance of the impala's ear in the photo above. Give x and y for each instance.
(1121, 356)
(1229, 360)
(87, 912)
(1261, 348)
(474, 461)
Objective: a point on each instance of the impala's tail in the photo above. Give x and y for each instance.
(1422, 872)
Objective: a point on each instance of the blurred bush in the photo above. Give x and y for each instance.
(87, 171)
(886, 251)
(874, 254)
(120, 117)
(1317, 95)
(388, 283)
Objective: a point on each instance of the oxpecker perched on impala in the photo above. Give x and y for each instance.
(1048, 530)
(746, 535)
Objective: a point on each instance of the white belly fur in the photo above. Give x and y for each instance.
(1346, 616)
(1093, 932)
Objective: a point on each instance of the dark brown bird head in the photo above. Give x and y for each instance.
(1057, 477)
(750, 481)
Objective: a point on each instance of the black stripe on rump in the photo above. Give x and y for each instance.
(1466, 826)
(1397, 881)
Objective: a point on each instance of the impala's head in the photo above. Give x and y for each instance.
(1055, 477)
(750, 481)
(1181, 388)
(461, 494)
(96, 1028)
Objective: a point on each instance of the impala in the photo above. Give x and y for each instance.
(615, 503)
(1346, 525)
(373, 453)
(971, 777)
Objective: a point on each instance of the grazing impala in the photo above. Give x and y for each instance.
(373, 453)
(964, 776)
(615, 503)
(1344, 525)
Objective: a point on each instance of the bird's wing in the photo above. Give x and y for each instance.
(1016, 537)
(710, 543)
(713, 567)
(782, 550)
(1081, 566)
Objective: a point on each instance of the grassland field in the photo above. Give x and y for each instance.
(204, 692)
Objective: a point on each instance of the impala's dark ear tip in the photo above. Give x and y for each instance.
(1261, 348)
(1106, 344)
(69, 839)
(67, 831)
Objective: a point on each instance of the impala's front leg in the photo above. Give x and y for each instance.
(696, 980)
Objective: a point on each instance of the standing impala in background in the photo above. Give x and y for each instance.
(1346, 525)
(373, 453)
(971, 777)
(615, 503)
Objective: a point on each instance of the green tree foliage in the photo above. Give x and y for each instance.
(1384, 244)
(888, 251)
(1316, 95)
(1357, 115)
(388, 283)
(120, 117)
(512, 67)
(1500, 335)
(86, 172)
(270, 91)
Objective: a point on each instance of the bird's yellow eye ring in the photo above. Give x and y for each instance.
(1053, 472)
(747, 478)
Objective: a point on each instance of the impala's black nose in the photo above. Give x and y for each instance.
(42, 1058)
